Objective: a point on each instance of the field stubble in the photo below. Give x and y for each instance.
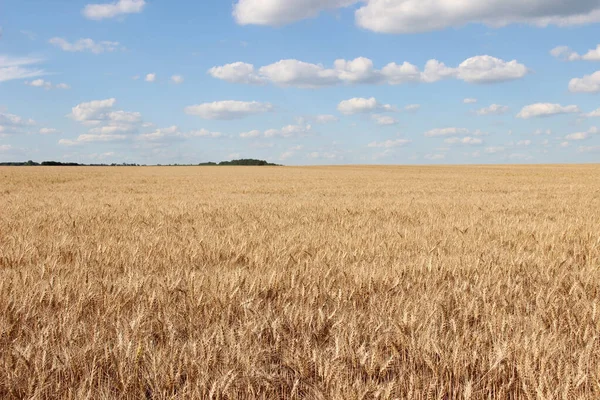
(314, 283)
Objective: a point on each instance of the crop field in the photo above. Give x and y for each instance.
(475, 282)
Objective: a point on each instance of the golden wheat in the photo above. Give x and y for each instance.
(300, 283)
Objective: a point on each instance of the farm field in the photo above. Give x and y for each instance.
(300, 283)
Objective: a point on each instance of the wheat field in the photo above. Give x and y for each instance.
(300, 283)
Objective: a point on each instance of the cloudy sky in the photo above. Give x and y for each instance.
(301, 81)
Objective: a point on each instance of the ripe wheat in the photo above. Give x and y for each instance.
(300, 283)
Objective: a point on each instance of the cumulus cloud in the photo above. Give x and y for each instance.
(359, 105)
(238, 72)
(150, 77)
(12, 68)
(470, 101)
(228, 110)
(412, 107)
(478, 70)
(107, 125)
(47, 85)
(440, 132)
(567, 54)
(524, 143)
(83, 45)
(281, 12)
(384, 120)
(388, 144)
(91, 111)
(494, 109)
(112, 10)
(593, 114)
(546, 110)
(587, 84)
(412, 16)
(583, 135)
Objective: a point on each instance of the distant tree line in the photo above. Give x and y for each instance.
(246, 162)
(243, 162)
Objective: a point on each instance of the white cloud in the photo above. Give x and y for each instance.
(85, 45)
(228, 110)
(40, 83)
(546, 110)
(177, 79)
(281, 12)
(446, 132)
(107, 125)
(91, 111)
(237, 72)
(150, 77)
(412, 107)
(162, 134)
(388, 144)
(564, 144)
(470, 101)
(465, 140)
(410, 16)
(5, 148)
(543, 132)
(384, 120)
(524, 143)
(48, 131)
(494, 109)
(295, 73)
(47, 85)
(593, 114)
(487, 69)
(12, 68)
(112, 10)
(299, 74)
(587, 84)
(326, 119)
(565, 53)
(583, 135)
(362, 105)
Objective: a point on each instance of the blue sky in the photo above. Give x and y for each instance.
(300, 82)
